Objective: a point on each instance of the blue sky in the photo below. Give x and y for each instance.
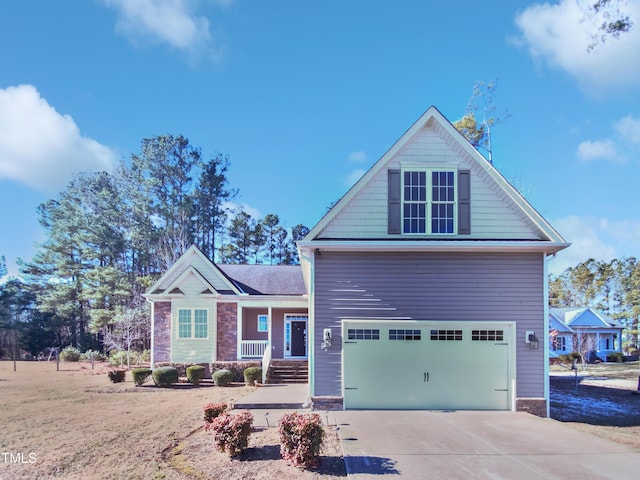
(305, 96)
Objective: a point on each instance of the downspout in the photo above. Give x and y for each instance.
(153, 331)
(545, 335)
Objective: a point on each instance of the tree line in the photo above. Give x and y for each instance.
(612, 287)
(109, 236)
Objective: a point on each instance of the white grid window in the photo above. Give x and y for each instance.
(193, 323)
(429, 202)
(263, 323)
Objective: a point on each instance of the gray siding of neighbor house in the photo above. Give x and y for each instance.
(430, 286)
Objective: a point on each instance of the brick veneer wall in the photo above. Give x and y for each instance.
(327, 403)
(227, 332)
(162, 332)
(534, 406)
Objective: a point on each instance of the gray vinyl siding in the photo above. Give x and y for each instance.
(430, 286)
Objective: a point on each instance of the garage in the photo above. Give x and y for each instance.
(428, 365)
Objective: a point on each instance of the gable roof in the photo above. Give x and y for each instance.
(583, 317)
(433, 122)
(558, 325)
(266, 279)
(228, 279)
(196, 262)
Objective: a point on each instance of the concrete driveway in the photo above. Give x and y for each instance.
(475, 445)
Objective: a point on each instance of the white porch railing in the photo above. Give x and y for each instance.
(253, 348)
(266, 361)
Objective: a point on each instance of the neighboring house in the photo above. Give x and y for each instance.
(423, 286)
(202, 312)
(584, 330)
(560, 337)
(429, 275)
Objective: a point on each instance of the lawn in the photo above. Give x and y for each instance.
(75, 424)
(603, 403)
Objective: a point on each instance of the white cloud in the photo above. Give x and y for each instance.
(589, 151)
(559, 34)
(357, 157)
(629, 129)
(354, 176)
(233, 207)
(597, 238)
(625, 145)
(168, 21)
(40, 147)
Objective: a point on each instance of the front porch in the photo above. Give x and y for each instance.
(278, 333)
(278, 337)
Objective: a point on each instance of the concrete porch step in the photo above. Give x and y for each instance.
(288, 371)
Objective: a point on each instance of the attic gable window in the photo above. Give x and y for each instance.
(428, 202)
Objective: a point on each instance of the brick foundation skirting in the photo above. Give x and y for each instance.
(534, 406)
(327, 403)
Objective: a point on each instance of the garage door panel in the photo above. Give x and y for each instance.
(427, 370)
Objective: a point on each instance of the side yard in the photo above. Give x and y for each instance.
(603, 403)
(74, 423)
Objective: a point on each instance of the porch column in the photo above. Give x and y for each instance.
(239, 335)
(269, 312)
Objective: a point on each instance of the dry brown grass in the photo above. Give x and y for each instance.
(78, 425)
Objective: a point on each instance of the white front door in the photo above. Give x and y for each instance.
(295, 336)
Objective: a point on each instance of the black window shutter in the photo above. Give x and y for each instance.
(394, 201)
(464, 202)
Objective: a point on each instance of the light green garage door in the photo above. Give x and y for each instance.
(427, 365)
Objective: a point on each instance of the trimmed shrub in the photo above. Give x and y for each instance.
(231, 432)
(237, 368)
(195, 373)
(70, 354)
(252, 375)
(222, 378)
(301, 436)
(213, 410)
(117, 376)
(140, 375)
(165, 376)
(182, 367)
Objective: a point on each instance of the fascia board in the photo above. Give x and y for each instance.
(434, 246)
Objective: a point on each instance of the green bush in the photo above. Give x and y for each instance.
(222, 378)
(616, 357)
(117, 376)
(301, 436)
(182, 367)
(214, 410)
(140, 375)
(231, 432)
(118, 358)
(70, 354)
(165, 376)
(252, 375)
(574, 355)
(97, 356)
(145, 356)
(237, 368)
(195, 373)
